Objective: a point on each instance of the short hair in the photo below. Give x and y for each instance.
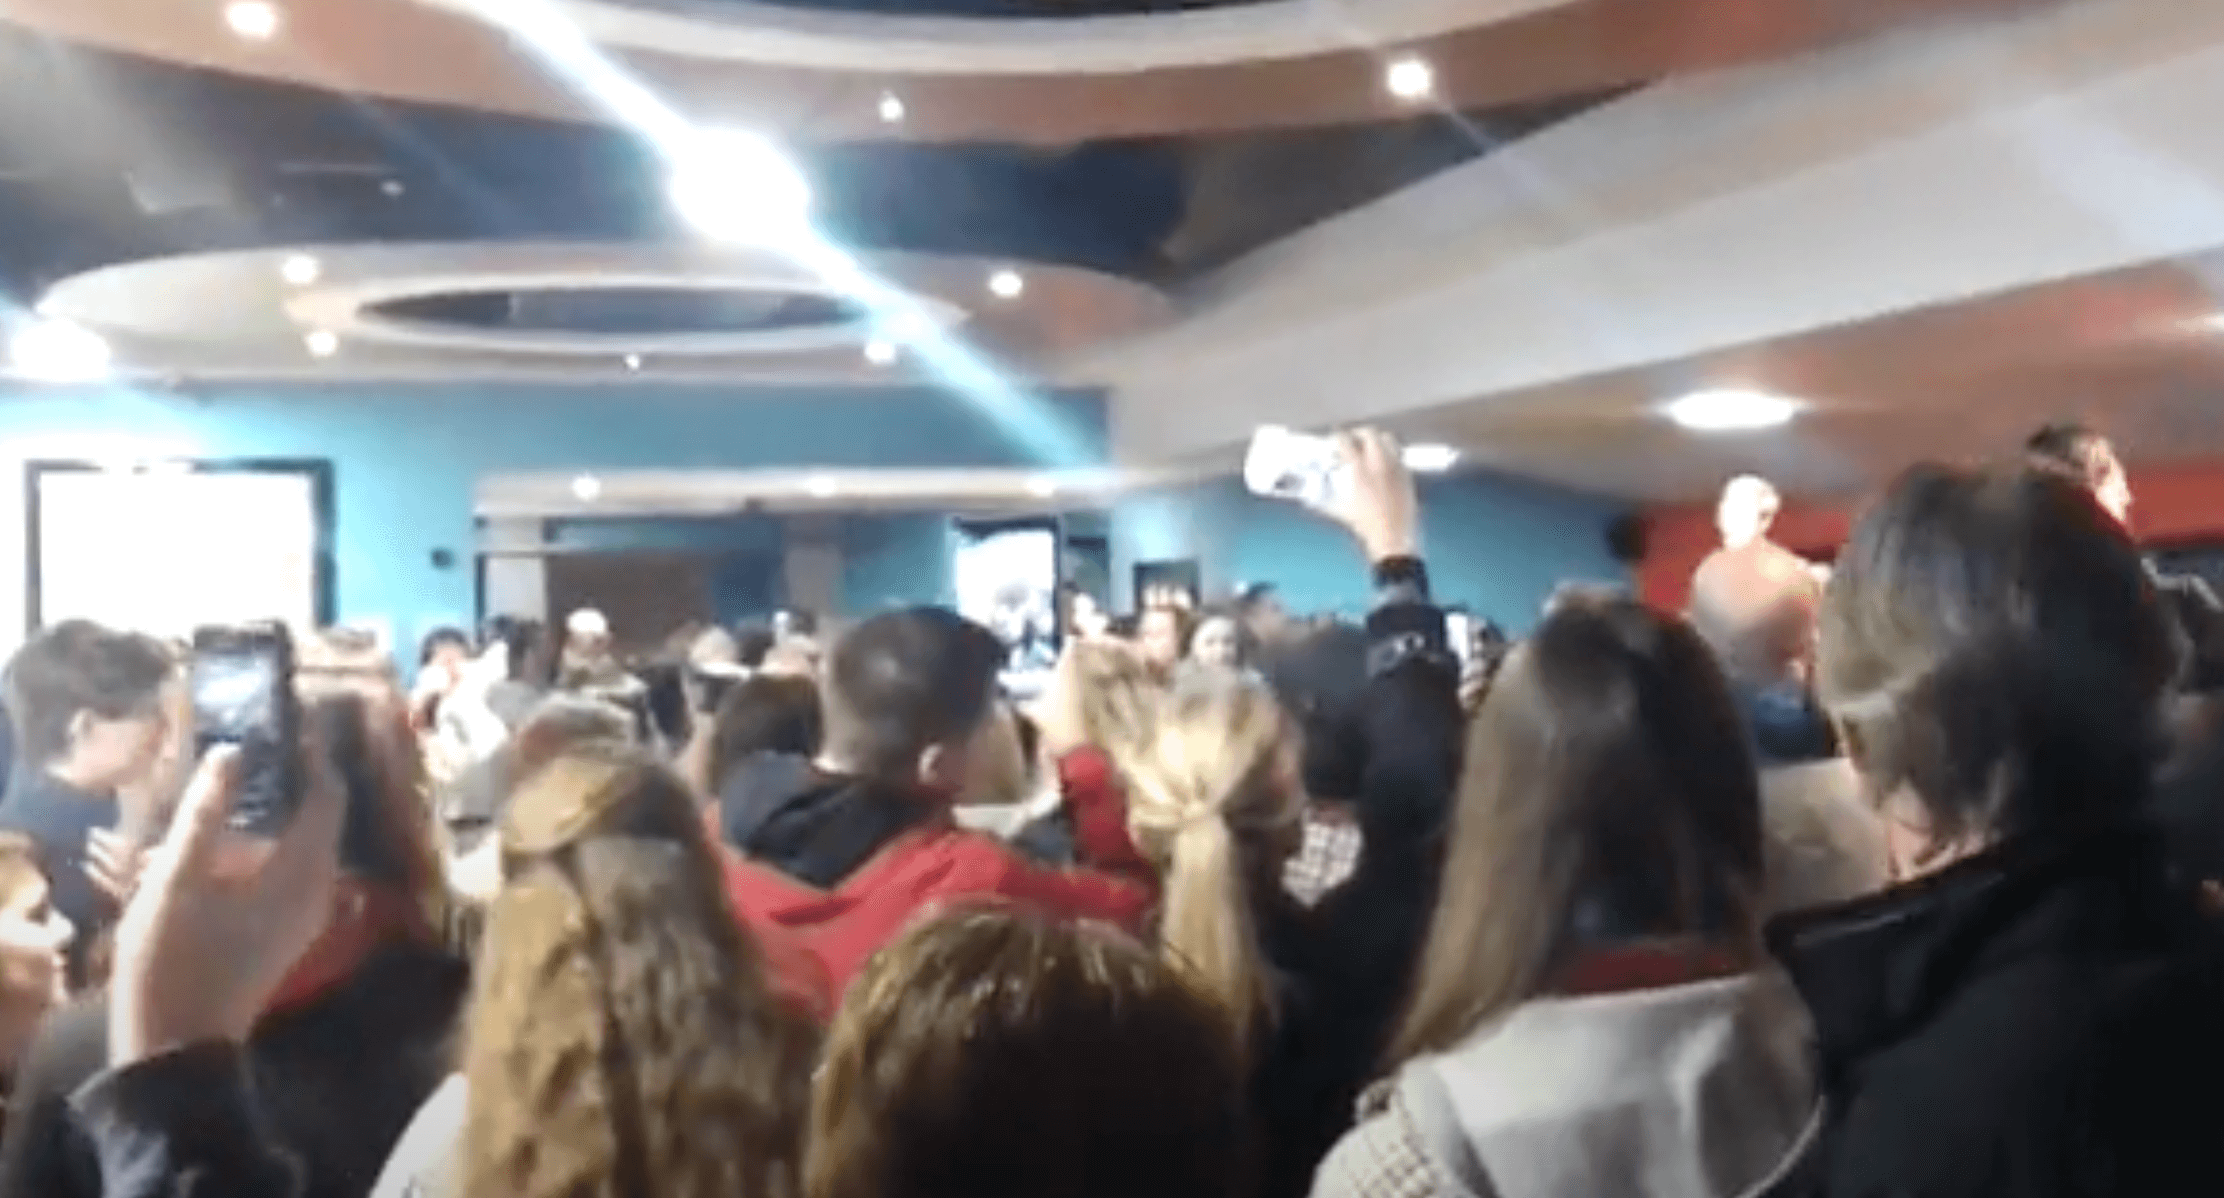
(764, 713)
(439, 638)
(1607, 795)
(906, 680)
(2062, 444)
(752, 641)
(1000, 1054)
(77, 666)
(1992, 642)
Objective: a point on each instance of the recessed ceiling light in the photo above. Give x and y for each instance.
(1430, 459)
(322, 343)
(392, 189)
(256, 20)
(736, 185)
(1732, 409)
(300, 270)
(824, 486)
(586, 488)
(1410, 78)
(880, 353)
(891, 108)
(59, 351)
(633, 361)
(1006, 284)
(1042, 486)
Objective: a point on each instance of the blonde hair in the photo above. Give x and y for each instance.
(1104, 696)
(1213, 802)
(621, 1039)
(1002, 1054)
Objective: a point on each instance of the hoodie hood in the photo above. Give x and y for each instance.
(815, 827)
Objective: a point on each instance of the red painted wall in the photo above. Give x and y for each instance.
(2169, 504)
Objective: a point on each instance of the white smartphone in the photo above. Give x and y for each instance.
(1459, 629)
(1307, 469)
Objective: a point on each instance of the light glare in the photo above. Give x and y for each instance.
(1410, 78)
(737, 186)
(586, 488)
(1006, 284)
(256, 20)
(880, 353)
(823, 486)
(59, 351)
(322, 343)
(300, 270)
(1430, 459)
(1732, 409)
(891, 108)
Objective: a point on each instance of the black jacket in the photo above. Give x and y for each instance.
(184, 1124)
(1346, 965)
(337, 1078)
(60, 819)
(2032, 1021)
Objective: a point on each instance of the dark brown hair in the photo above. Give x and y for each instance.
(76, 666)
(764, 713)
(904, 681)
(1991, 642)
(1608, 794)
(991, 1054)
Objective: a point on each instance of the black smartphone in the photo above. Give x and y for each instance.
(243, 695)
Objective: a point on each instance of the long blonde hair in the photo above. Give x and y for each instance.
(621, 1039)
(1104, 696)
(1214, 802)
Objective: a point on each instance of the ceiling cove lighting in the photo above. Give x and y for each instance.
(1430, 459)
(322, 343)
(255, 20)
(1006, 284)
(1732, 410)
(736, 186)
(891, 108)
(1409, 78)
(300, 270)
(586, 488)
(880, 353)
(59, 351)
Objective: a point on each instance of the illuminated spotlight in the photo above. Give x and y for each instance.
(1732, 409)
(823, 486)
(633, 361)
(891, 108)
(586, 488)
(880, 353)
(59, 351)
(1042, 486)
(734, 185)
(392, 189)
(300, 270)
(1006, 284)
(322, 343)
(1410, 78)
(255, 20)
(1430, 459)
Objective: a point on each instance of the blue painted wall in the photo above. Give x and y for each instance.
(408, 457)
(1498, 545)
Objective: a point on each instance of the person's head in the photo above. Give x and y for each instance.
(443, 654)
(1101, 696)
(88, 706)
(1259, 608)
(1218, 641)
(1162, 636)
(1993, 654)
(565, 722)
(389, 855)
(904, 694)
(752, 641)
(1607, 797)
(33, 937)
(586, 633)
(764, 713)
(1319, 672)
(2081, 454)
(992, 1054)
(1748, 507)
(1085, 617)
(620, 1038)
(1214, 801)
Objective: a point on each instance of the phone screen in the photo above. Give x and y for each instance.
(242, 685)
(1459, 629)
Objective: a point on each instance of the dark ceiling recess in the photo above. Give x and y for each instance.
(617, 311)
(975, 8)
(106, 158)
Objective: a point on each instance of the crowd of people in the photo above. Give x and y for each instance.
(1895, 878)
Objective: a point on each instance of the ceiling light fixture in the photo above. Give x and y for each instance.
(59, 351)
(300, 270)
(1006, 284)
(255, 20)
(322, 343)
(891, 108)
(880, 353)
(586, 488)
(1409, 77)
(392, 189)
(823, 486)
(633, 361)
(1430, 459)
(1732, 409)
(1042, 486)
(735, 185)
